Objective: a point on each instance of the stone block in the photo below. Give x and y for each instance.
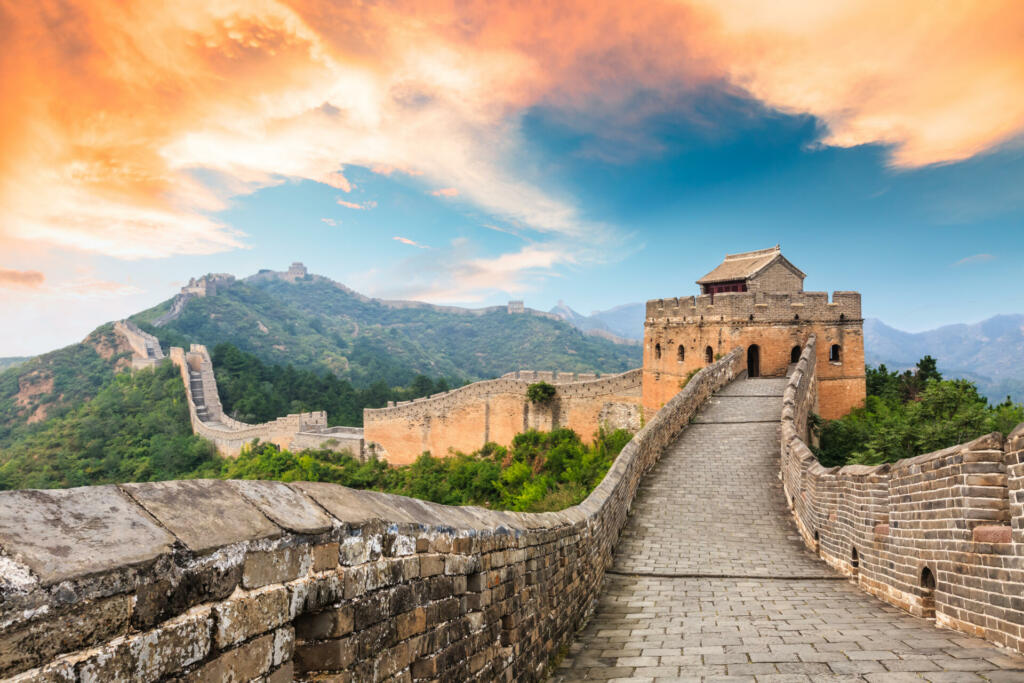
(50, 634)
(325, 557)
(241, 664)
(431, 565)
(248, 615)
(288, 508)
(204, 514)
(283, 674)
(992, 533)
(153, 654)
(330, 623)
(264, 567)
(327, 655)
(194, 585)
(57, 672)
(284, 645)
(315, 592)
(66, 533)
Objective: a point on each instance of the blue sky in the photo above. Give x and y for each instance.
(587, 166)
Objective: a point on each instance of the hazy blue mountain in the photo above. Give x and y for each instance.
(625, 321)
(991, 353)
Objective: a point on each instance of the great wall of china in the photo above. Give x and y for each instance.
(716, 545)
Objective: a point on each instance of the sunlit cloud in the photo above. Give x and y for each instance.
(976, 258)
(329, 221)
(21, 279)
(354, 205)
(110, 109)
(411, 243)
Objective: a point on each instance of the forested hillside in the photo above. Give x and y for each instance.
(318, 324)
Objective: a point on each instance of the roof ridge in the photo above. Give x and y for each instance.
(759, 253)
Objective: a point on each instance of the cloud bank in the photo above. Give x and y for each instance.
(127, 126)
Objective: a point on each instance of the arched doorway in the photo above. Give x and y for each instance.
(753, 361)
(709, 355)
(794, 355)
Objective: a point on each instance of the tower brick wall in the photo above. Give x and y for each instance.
(779, 324)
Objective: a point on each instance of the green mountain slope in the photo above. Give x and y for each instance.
(318, 324)
(43, 387)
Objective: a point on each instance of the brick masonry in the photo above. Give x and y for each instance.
(242, 580)
(711, 580)
(940, 535)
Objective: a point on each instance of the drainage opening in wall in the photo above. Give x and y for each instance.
(817, 543)
(927, 593)
(854, 560)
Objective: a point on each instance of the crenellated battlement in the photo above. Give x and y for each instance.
(763, 306)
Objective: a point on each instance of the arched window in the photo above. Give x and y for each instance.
(794, 355)
(709, 355)
(680, 354)
(835, 354)
(657, 352)
(927, 593)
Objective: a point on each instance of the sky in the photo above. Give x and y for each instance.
(471, 152)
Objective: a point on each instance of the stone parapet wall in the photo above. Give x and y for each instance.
(496, 410)
(146, 351)
(764, 306)
(236, 580)
(940, 535)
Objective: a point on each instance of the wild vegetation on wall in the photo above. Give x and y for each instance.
(318, 325)
(912, 413)
(540, 471)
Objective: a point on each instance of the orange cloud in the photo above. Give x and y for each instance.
(21, 279)
(446, 192)
(110, 107)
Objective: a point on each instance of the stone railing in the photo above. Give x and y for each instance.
(233, 580)
(940, 535)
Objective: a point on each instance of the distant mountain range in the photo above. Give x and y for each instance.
(990, 353)
(625, 322)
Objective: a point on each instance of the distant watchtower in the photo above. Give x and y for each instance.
(515, 306)
(296, 271)
(756, 300)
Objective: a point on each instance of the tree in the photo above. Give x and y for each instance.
(541, 393)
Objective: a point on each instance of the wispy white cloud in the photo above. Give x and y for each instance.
(329, 221)
(411, 243)
(448, 192)
(354, 205)
(976, 258)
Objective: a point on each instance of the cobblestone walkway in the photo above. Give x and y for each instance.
(712, 583)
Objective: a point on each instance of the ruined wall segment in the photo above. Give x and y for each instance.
(939, 535)
(466, 418)
(237, 580)
(146, 351)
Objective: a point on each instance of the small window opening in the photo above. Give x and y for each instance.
(680, 354)
(751, 316)
(927, 593)
(817, 543)
(796, 317)
(842, 316)
(835, 354)
(709, 355)
(854, 560)
(657, 352)
(794, 355)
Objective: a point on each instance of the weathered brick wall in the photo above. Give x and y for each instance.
(939, 535)
(775, 322)
(466, 418)
(243, 580)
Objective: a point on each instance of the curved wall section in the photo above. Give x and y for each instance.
(234, 580)
(466, 418)
(940, 535)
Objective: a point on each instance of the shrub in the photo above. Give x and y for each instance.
(540, 392)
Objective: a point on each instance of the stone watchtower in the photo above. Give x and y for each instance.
(756, 300)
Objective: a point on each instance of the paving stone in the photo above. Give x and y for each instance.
(684, 579)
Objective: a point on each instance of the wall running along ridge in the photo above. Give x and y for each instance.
(146, 351)
(295, 431)
(466, 418)
(955, 515)
(233, 580)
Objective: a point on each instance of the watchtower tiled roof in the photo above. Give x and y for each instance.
(746, 265)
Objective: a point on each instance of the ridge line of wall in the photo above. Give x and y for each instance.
(940, 535)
